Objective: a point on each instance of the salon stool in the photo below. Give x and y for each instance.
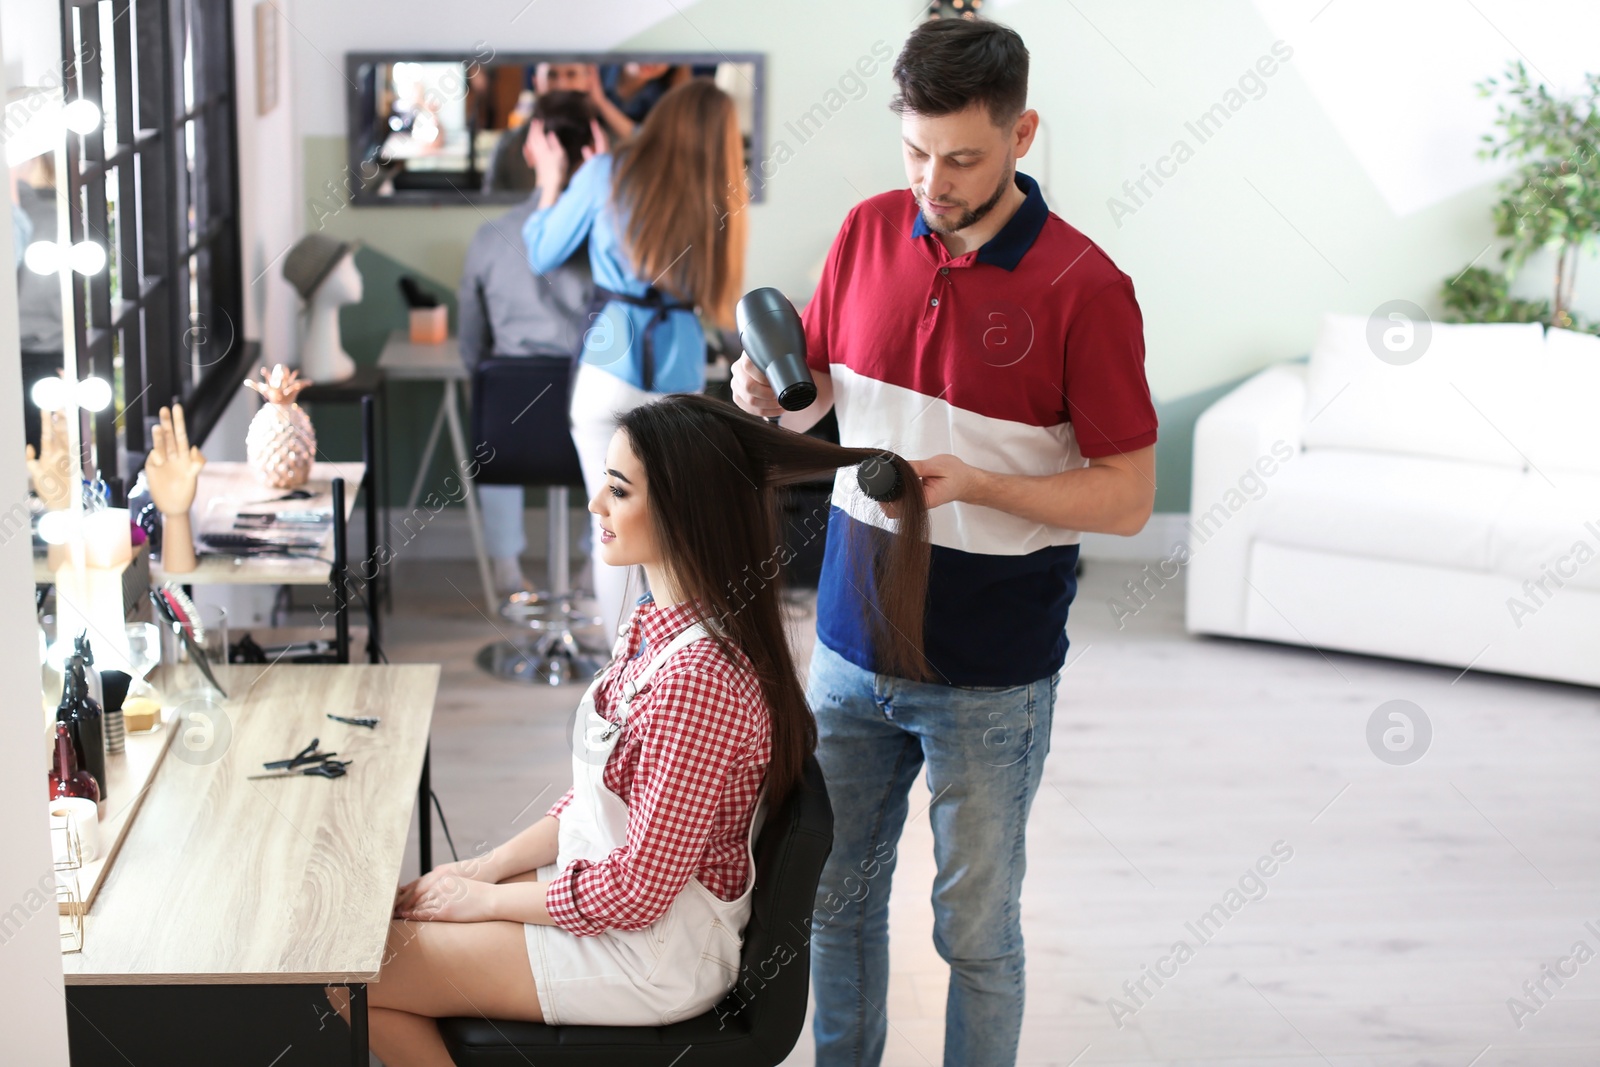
(755, 1025)
(519, 419)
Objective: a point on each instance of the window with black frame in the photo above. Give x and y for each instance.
(126, 185)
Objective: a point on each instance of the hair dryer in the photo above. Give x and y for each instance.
(770, 331)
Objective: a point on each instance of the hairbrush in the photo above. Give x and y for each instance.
(879, 478)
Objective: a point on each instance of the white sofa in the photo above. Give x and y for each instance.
(1446, 510)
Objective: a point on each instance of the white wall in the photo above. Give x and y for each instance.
(32, 43)
(269, 183)
(1350, 180)
(33, 1012)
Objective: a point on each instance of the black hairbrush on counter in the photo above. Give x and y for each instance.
(775, 341)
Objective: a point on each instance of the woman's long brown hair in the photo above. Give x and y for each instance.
(712, 479)
(681, 180)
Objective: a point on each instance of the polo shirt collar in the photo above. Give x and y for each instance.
(1005, 249)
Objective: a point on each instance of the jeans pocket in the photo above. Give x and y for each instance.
(1006, 728)
(989, 689)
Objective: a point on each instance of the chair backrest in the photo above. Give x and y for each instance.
(520, 431)
(769, 1001)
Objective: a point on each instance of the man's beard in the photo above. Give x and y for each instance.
(975, 215)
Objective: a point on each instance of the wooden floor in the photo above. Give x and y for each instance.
(1417, 901)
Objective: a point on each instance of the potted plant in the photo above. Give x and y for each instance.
(1551, 202)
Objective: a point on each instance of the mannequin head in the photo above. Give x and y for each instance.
(343, 283)
(313, 259)
(323, 271)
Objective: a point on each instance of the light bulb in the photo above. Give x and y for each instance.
(55, 527)
(88, 257)
(49, 394)
(81, 116)
(94, 394)
(42, 257)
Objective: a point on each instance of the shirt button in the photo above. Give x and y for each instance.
(944, 270)
(935, 301)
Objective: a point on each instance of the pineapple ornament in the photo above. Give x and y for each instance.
(281, 442)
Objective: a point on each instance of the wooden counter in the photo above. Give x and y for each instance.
(221, 880)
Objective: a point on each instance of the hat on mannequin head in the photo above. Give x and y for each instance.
(311, 260)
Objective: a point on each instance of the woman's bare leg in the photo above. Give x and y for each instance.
(433, 970)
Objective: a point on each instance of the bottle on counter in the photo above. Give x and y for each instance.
(67, 776)
(85, 723)
(85, 651)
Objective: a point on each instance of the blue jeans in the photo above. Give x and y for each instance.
(503, 536)
(985, 750)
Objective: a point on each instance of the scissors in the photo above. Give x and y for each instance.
(309, 754)
(328, 768)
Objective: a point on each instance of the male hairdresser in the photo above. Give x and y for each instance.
(964, 326)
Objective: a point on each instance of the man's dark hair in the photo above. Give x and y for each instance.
(567, 114)
(949, 64)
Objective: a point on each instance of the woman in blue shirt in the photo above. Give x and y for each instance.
(664, 217)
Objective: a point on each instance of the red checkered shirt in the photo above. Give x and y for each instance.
(689, 767)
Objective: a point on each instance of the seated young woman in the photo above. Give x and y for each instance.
(626, 904)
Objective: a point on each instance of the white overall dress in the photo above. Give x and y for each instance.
(678, 966)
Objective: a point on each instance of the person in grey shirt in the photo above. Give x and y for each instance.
(505, 309)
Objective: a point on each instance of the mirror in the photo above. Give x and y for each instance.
(33, 219)
(448, 128)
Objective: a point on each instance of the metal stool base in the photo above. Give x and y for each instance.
(553, 659)
(552, 653)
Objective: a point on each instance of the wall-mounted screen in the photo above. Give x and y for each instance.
(449, 128)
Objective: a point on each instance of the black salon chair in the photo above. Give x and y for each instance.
(519, 419)
(755, 1025)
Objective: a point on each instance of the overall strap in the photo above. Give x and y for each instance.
(659, 305)
(687, 636)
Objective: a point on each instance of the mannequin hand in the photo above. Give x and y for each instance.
(51, 467)
(173, 468)
(944, 479)
(450, 897)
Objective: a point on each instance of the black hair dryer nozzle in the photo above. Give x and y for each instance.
(774, 339)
